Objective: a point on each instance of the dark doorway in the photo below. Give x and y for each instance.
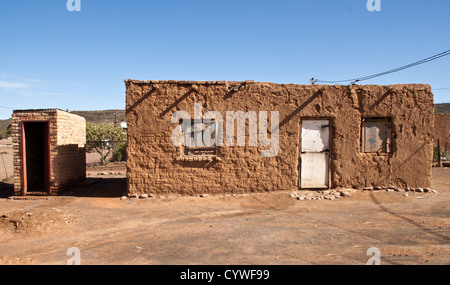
(36, 157)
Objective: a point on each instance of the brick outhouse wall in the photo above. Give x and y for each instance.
(67, 147)
(69, 153)
(155, 165)
(442, 130)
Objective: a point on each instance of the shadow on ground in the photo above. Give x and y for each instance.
(94, 187)
(6, 190)
(100, 188)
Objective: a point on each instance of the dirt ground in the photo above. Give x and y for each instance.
(270, 228)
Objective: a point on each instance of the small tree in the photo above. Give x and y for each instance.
(102, 138)
(5, 134)
(120, 152)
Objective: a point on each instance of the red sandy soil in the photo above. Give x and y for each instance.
(270, 228)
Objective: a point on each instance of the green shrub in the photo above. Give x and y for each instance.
(120, 152)
(435, 153)
(5, 134)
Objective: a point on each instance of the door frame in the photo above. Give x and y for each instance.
(330, 134)
(47, 160)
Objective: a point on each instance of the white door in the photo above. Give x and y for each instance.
(315, 154)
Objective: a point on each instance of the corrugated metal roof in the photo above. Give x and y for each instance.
(37, 110)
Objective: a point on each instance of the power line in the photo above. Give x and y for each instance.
(428, 59)
(6, 108)
(441, 88)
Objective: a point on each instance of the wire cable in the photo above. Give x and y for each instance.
(428, 59)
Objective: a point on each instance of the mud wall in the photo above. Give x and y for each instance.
(442, 130)
(155, 165)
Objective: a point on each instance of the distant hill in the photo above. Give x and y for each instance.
(4, 124)
(105, 116)
(442, 108)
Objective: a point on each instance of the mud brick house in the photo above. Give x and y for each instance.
(328, 136)
(442, 130)
(49, 151)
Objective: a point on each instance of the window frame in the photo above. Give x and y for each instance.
(200, 151)
(386, 143)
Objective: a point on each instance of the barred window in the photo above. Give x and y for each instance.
(200, 137)
(376, 135)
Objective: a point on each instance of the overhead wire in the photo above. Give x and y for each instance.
(354, 80)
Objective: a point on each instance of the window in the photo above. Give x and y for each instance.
(376, 135)
(200, 137)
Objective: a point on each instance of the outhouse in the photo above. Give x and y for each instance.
(49, 151)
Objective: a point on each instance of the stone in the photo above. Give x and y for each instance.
(377, 188)
(433, 191)
(420, 190)
(123, 198)
(426, 190)
(204, 195)
(368, 188)
(143, 196)
(300, 198)
(406, 194)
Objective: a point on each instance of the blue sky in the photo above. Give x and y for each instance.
(53, 58)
